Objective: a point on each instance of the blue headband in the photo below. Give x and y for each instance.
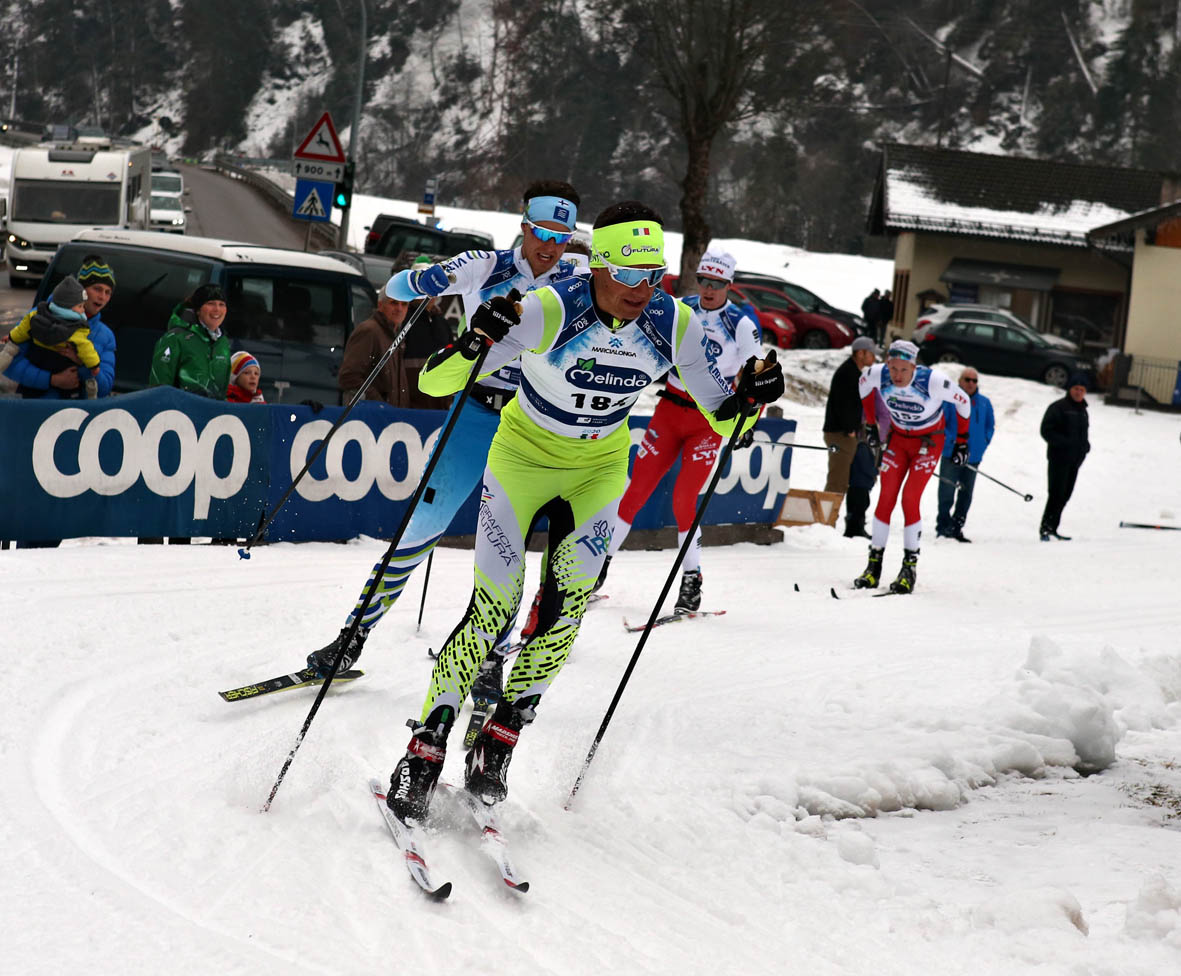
(557, 209)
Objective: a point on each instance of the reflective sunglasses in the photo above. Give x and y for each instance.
(545, 234)
(714, 284)
(634, 277)
(904, 354)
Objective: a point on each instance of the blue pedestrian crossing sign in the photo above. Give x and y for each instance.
(313, 200)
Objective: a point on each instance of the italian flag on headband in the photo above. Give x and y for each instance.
(641, 232)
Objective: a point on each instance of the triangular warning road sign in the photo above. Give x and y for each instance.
(322, 143)
(312, 205)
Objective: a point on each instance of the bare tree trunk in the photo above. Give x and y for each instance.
(693, 224)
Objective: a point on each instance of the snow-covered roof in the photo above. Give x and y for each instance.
(1008, 197)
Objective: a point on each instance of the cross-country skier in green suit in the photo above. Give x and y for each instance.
(588, 347)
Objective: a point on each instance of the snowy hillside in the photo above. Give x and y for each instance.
(803, 785)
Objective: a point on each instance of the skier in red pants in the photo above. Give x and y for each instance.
(914, 395)
(678, 429)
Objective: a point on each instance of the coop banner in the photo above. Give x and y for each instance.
(165, 463)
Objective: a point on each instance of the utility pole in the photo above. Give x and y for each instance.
(943, 100)
(354, 129)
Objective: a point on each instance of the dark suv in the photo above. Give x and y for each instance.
(390, 236)
(292, 310)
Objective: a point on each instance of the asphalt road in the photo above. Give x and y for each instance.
(222, 207)
(231, 210)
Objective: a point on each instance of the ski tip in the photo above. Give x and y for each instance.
(833, 591)
(243, 553)
(797, 587)
(521, 886)
(440, 892)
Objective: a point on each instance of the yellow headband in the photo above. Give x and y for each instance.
(636, 242)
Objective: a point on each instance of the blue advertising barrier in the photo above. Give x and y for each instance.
(165, 463)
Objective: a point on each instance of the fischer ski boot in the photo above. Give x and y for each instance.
(689, 599)
(414, 778)
(873, 570)
(486, 769)
(489, 683)
(906, 575)
(321, 661)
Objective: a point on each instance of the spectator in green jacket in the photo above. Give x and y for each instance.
(194, 354)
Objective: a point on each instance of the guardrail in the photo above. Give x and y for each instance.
(323, 234)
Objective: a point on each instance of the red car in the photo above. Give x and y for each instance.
(814, 331)
(777, 328)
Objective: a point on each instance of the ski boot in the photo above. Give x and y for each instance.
(414, 778)
(321, 661)
(906, 575)
(873, 570)
(486, 769)
(489, 683)
(689, 599)
(531, 621)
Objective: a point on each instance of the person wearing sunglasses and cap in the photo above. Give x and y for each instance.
(679, 429)
(914, 396)
(550, 210)
(588, 347)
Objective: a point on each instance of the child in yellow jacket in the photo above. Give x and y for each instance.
(53, 324)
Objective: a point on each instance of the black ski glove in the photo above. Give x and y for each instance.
(959, 452)
(745, 439)
(764, 387)
(494, 318)
(873, 440)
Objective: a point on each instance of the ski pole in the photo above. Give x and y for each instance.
(972, 467)
(830, 448)
(359, 614)
(425, 583)
(244, 552)
(743, 413)
(1146, 525)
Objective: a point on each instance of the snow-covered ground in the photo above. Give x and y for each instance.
(803, 785)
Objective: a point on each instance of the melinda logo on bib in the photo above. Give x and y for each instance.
(586, 374)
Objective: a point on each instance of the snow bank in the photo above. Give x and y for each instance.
(1064, 716)
(1156, 913)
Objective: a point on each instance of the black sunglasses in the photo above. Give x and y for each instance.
(971, 379)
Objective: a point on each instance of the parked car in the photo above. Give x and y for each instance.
(806, 299)
(936, 314)
(390, 236)
(293, 310)
(1000, 348)
(167, 213)
(776, 328)
(373, 266)
(814, 330)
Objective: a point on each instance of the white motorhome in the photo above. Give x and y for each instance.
(57, 191)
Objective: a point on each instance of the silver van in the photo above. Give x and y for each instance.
(292, 310)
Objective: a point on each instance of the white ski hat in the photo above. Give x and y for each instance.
(717, 264)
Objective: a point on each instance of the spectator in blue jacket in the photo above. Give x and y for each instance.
(959, 479)
(33, 382)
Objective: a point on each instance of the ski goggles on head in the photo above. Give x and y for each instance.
(901, 349)
(632, 277)
(545, 234)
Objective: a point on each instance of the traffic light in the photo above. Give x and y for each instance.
(343, 198)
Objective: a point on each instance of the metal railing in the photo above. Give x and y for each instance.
(323, 234)
(1146, 381)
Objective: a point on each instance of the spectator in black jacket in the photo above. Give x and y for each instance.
(843, 420)
(1064, 429)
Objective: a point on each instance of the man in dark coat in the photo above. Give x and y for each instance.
(367, 344)
(842, 422)
(1064, 429)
